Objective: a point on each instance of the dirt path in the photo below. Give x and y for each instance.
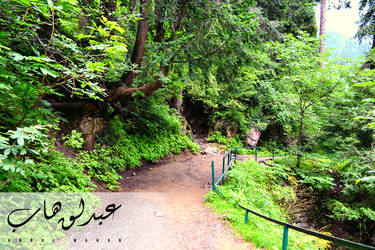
(180, 186)
(163, 207)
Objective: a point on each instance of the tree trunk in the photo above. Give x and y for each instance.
(299, 139)
(178, 101)
(122, 94)
(322, 30)
(159, 24)
(139, 46)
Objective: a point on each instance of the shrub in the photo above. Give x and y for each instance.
(54, 173)
(74, 140)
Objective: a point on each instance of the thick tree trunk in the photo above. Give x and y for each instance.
(159, 24)
(322, 30)
(139, 46)
(123, 94)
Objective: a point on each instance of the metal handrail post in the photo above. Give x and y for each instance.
(213, 175)
(222, 181)
(285, 238)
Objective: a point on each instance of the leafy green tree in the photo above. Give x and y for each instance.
(290, 16)
(308, 84)
(367, 22)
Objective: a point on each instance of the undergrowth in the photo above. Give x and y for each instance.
(52, 173)
(344, 185)
(126, 143)
(256, 187)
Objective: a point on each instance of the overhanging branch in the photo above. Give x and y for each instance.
(122, 94)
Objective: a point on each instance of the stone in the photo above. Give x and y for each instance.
(290, 141)
(90, 126)
(253, 137)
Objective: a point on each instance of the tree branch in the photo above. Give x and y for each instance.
(9, 179)
(122, 94)
(215, 51)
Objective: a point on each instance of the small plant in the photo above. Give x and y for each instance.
(74, 140)
(221, 139)
(20, 146)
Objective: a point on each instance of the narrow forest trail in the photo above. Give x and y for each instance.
(177, 189)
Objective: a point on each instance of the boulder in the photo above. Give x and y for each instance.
(253, 137)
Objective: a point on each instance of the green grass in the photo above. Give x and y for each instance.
(252, 185)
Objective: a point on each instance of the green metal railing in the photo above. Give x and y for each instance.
(228, 160)
(257, 150)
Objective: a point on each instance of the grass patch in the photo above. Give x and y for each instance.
(254, 186)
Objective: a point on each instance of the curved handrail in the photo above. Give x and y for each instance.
(230, 161)
(341, 241)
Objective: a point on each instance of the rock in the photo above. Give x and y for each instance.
(218, 125)
(134, 174)
(90, 126)
(290, 141)
(253, 137)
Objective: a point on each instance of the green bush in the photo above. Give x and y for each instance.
(125, 144)
(228, 142)
(103, 164)
(54, 173)
(74, 140)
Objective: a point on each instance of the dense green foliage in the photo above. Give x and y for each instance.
(343, 185)
(342, 189)
(114, 84)
(125, 146)
(367, 22)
